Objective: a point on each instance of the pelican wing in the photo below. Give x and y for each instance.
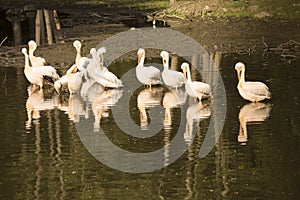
(257, 88)
(173, 78)
(108, 79)
(153, 73)
(43, 71)
(200, 87)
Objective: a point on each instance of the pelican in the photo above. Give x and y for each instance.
(35, 61)
(36, 75)
(101, 74)
(251, 91)
(80, 61)
(74, 79)
(171, 78)
(147, 75)
(252, 113)
(196, 89)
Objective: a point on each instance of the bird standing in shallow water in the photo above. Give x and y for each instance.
(196, 89)
(170, 77)
(147, 75)
(36, 75)
(251, 91)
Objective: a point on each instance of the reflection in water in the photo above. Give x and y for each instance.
(102, 103)
(220, 175)
(196, 112)
(252, 113)
(75, 108)
(172, 99)
(148, 98)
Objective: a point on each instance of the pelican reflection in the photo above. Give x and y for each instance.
(36, 103)
(196, 112)
(172, 99)
(102, 103)
(75, 108)
(148, 98)
(252, 113)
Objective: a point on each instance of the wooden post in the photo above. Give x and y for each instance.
(56, 19)
(43, 34)
(53, 26)
(48, 27)
(174, 62)
(30, 11)
(38, 28)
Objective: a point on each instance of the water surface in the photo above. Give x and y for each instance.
(44, 157)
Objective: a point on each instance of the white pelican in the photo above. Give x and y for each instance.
(80, 61)
(74, 79)
(196, 89)
(102, 75)
(252, 113)
(36, 75)
(171, 78)
(252, 91)
(147, 75)
(35, 61)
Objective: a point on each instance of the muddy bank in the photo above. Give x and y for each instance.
(93, 24)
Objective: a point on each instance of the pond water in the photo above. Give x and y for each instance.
(43, 156)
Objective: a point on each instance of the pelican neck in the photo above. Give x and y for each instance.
(142, 60)
(166, 65)
(242, 76)
(188, 74)
(26, 60)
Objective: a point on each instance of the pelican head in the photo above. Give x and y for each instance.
(32, 45)
(239, 67)
(77, 44)
(24, 51)
(140, 53)
(165, 56)
(184, 66)
(93, 51)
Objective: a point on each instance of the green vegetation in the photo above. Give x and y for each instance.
(137, 4)
(288, 9)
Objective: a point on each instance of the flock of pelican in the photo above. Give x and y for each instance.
(90, 70)
(87, 75)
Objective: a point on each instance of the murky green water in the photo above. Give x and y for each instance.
(44, 157)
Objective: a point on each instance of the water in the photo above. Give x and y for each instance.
(45, 157)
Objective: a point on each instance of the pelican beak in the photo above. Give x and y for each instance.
(238, 74)
(139, 57)
(164, 61)
(184, 74)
